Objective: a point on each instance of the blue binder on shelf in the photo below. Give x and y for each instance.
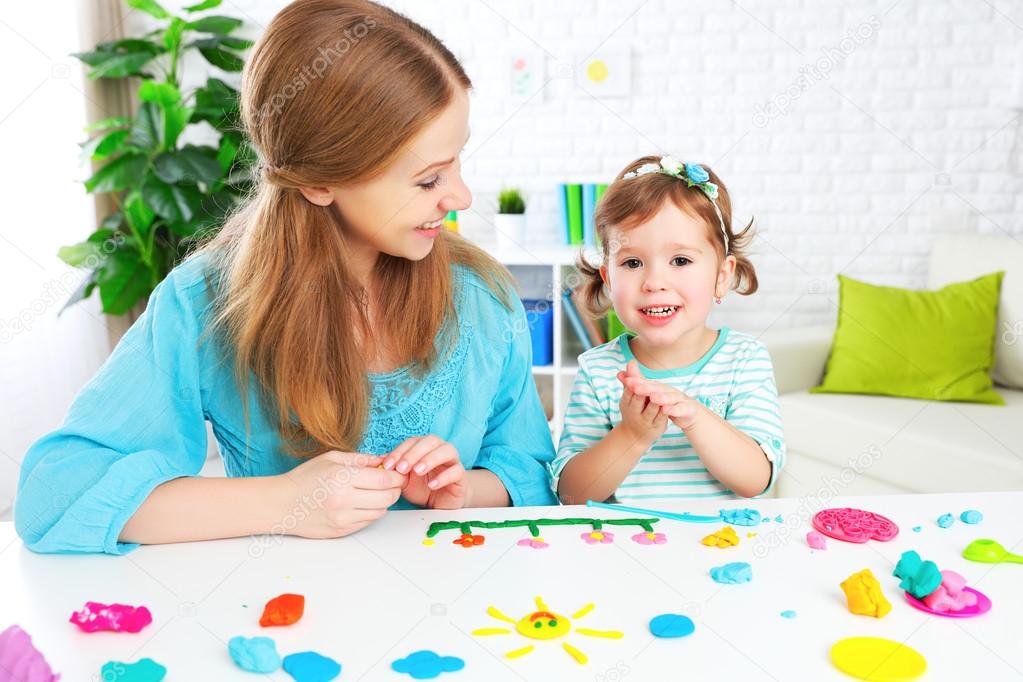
(589, 206)
(573, 317)
(563, 212)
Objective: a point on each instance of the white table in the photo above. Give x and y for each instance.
(381, 594)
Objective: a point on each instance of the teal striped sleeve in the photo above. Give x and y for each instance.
(586, 423)
(755, 411)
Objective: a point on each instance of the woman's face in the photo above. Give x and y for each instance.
(400, 211)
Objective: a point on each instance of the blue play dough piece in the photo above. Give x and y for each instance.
(669, 625)
(309, 666)
(143, 670)
(971, 516)
(740, 517)
(788, 614)
(734, 573)
(256, 654)
(918, 577)
(426, 664)
(917, 529)
(946, 520)
(778, 519)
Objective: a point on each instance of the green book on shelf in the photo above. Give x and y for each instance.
(574, 204)
(615, 328)
(599, 192)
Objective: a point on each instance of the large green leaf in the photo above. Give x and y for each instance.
(205, 4)
(189, 164)
(215, 24)
(174, 203)
(121, 65)
(172, 36)
(227, 153)
(160, 93)
(103, 146)
(216, 103)
(150, 7)
(146, 133)
(222, 59)
(138, 214)
(108, 123)
(81, 293)
(123, 279)
(126, 45)
(118, 174)
(78, 254)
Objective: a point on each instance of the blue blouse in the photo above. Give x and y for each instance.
(141, 420)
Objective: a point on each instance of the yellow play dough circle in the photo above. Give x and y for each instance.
(877, 659)
(596, 71)
(428, 542)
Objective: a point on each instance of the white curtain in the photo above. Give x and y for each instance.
(45, 103)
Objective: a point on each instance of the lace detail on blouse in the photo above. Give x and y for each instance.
(403, 405)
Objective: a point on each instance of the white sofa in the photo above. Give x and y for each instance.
(843, 444)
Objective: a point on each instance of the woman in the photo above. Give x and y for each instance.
(350, 354)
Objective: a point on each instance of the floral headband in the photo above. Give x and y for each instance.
(693, 174)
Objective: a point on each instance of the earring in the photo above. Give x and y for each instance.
(717, 299)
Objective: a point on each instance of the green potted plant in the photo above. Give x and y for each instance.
(167, 195)
(510, 221)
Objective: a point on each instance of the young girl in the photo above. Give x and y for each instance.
(346, 350)
(675, 409)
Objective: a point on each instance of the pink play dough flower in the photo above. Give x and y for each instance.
(645, 538)
(535, 543)
(598, 537)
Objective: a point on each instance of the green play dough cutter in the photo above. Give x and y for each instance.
(989, 552)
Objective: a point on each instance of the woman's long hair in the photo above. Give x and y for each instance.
(332, 92)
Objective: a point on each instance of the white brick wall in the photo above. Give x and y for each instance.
(912, 131)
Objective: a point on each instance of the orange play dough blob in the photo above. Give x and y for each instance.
(283, 610)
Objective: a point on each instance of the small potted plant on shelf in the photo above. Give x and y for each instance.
(510, 221)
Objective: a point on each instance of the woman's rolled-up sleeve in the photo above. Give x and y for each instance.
(138, 423)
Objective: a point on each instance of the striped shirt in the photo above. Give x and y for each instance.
(734, 379)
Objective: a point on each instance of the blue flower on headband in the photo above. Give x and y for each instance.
(697, 173)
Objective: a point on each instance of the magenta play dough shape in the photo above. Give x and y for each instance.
(983, 605)
(854, 525)
(115, 617)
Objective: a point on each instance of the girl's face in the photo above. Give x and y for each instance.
(664, 275)
(399, 212)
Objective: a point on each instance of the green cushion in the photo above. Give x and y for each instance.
(936, 345)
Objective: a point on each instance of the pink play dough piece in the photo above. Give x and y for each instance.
(816, 540)
(116, 617)
(951, 595)
(20, 661)
(854, 525)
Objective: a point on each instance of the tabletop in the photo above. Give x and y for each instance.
(383, 593)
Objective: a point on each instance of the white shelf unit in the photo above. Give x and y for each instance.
(540, 273)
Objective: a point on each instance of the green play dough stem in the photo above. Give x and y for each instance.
(534, 524)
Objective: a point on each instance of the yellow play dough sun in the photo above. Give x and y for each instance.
(544, 624)
(597, 71)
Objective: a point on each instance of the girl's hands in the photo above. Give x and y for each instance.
(337, 493)
(670, 402)
(641, 418)
(436, 477)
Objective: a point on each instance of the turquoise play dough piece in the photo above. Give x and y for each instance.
(256, 654)
(778, 519)
(142, 670)
(309, 666)
(735, 573)
(919, 578)
(426, 665)
(917, 529)
(946, 520)
(669, 625)
(740, 517)
(788, 614)
(971, 516)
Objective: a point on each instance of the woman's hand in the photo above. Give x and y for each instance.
(436, 477)
(337, 493)
(669, 402)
